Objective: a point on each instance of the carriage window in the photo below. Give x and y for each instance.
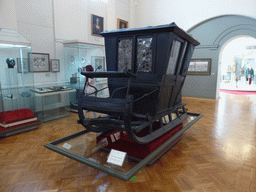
(124, 54)
(144, 54)
(173, 57)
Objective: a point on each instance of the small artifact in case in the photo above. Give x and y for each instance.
(10, 62)
(74, 79)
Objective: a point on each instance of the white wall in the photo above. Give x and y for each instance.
(72, 21)
(73, 18)
(46, 24)
(188, 13)
(8, 14)
(35, 23)
(123, 11)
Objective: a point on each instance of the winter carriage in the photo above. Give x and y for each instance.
(146, 69)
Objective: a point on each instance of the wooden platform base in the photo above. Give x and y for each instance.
(119, 141)
(6, 132)
(17, 121)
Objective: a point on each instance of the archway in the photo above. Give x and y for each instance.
(236, 56)
(213, 34)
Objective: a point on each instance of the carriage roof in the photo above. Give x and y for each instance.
(172, 27)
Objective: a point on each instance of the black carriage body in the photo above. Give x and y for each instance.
(169, 50)
(146, 69)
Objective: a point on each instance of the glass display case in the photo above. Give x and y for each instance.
(16, 81)
(53, 102)
(77, 56)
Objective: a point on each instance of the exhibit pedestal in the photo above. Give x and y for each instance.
(52, 102)
(94, 150)
(17, 121)
(120, 141)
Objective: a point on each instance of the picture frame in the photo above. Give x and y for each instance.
(97, 61)
(200, 67)
(25, 65)
(122, 24)
(55, 65)
(39, 62)
(97, 25)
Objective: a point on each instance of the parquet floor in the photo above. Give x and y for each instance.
(216, 154)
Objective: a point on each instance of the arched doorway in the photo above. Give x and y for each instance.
(236, 56)
(213, 34)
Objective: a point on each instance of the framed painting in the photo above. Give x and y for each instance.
(98, 62)
(39, 62)
(97, 25)
(121, 24)
(55, 65)
(200, 67)
(22, 64)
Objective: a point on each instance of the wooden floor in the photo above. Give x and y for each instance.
(216, 154)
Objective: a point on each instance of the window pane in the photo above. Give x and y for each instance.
(174, 57)
(144, 54)
(124, 54)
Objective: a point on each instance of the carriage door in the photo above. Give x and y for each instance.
(174, 67)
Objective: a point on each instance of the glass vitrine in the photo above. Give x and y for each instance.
(53, 101)
(77, 56)
(16, 81)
